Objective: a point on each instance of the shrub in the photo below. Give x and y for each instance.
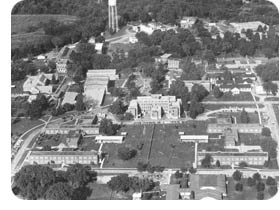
(239, 187)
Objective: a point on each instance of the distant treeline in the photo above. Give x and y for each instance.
(166, 11)
(93, 16)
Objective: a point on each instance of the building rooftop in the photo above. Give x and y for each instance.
(66, 153)
(228, 153)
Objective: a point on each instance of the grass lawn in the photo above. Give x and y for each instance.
(221, 106)
(248, 193)
(165, 149)
(18, 89)
(276, 110)
(272, 99)
(226, 97)
(88, 144)
(248, 138)
(103, 192)
(24, 125)
(135, 134)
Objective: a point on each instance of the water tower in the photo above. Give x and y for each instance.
(113, 15)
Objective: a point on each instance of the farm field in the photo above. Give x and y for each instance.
(21, 23)
(26, 28)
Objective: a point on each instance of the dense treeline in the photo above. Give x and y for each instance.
(166, 11)
(34, 182)
(183, 43)
(92, 20)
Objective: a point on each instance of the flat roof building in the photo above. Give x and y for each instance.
(194, 138)
(109, 139)
(234, 158)
(241, 128)
(62, 157)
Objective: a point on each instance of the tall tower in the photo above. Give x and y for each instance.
(113, 15)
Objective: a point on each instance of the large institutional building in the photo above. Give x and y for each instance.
(97, 83)
(156, 106)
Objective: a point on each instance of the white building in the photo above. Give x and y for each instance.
(155, 106)
(188, 22)
(38, 84)
(109, 139)
(240, 27)
(194, 138)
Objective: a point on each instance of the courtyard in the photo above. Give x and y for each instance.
(158, 144)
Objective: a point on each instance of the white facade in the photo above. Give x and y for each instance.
(109, 139)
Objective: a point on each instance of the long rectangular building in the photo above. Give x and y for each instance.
(241, 128)
(229, 158)
(109, 73)
(65, 157)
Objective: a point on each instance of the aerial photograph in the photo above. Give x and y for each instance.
(144, 100)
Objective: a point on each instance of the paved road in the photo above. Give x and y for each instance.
(21, 154)
(248, 172)
(19, 157)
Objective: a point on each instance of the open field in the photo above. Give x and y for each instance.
(243, 96)
(21, 23)
(165, 149)
(248, 193)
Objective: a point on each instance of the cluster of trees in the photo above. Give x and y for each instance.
(256, 181)
(165, 11)
(36, 107)
(22, 68)
(179, 44)
(126, 153)
(107, 127)
(190, 99)
(146, 166)
(41, 182)
(269, 72)
(84, 58)
(119, 109)
(190, 71)
(92, 20)
(124, 183)
(244, 117)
